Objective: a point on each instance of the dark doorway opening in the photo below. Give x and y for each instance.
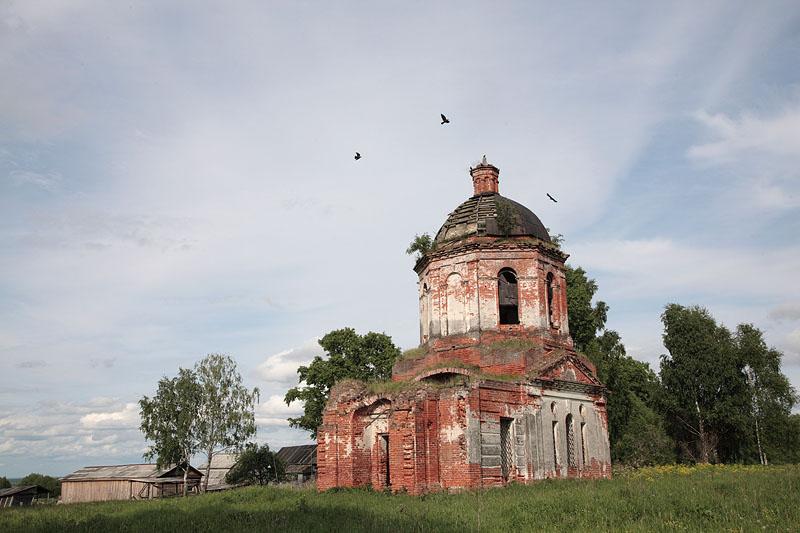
(385, 459)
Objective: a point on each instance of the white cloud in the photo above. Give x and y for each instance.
(779, 134)
(128, 417)
(282, 367)
(49, 181)
(655, 267)
(785, 311)
(769, 195)
(274, 412)
(792, 344)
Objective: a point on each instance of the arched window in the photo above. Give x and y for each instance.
(555, 444)
(508, 296)
(424, 314)
(549, 285)
(570, 441)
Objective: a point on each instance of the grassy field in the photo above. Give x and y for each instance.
(677, 498)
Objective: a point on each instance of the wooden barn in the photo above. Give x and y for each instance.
(301, 462)
(221, 464)
(25, 495)
(126, 482)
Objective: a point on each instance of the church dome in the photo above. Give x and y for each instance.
(488, 213)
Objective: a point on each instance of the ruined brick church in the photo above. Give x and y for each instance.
(496, 392)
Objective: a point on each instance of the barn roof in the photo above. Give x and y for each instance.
(25, 489)
(124, 472)
(299, 459)
(220, 465)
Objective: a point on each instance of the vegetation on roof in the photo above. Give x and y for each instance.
(508, 346)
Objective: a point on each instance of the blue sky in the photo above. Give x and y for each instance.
(177, 178)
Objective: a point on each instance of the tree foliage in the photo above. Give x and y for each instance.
(507, 217)
(226, 418)
(557, 239)
(50, 483)
(585, 319)
(257, 465)
(4, 483)
(206, 409)
(771, 396)
(421, 245)
(706, 396)
(348, 355)
(168, 420)
(636, 431)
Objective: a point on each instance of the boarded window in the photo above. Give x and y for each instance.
(508, 296)
(505, 446)
(570, 441)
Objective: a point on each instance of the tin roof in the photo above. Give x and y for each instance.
(34, 489)
(299, 459)
(123, 472)
(221, 464)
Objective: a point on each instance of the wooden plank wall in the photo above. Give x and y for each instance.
(97, 491)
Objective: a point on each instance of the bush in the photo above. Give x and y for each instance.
(48, 482)
(257, 465)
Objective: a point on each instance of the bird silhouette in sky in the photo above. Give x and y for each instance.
(358, 156)
(444, 120)
(548, 195)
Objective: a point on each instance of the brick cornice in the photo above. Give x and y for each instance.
(483, 245)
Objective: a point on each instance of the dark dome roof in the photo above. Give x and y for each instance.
(478, 216)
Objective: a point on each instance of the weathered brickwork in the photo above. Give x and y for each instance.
(499, 394)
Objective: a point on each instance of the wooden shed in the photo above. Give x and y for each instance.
(25, 495)
(301, 462)
(126, 482)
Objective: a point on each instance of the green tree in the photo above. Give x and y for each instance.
(348, 355)
(421, 245)
(585, 320)
(226, 418)
(4, 483)
(771, 397)
(706, 396)
(635, 429)
(50, 483)
(557, 239)
(169, 421)
(507, 217)
(636, 432)
(206, 410)
(257, 465)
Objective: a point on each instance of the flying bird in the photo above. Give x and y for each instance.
(548, 195)
(444, 120)
(358, 156)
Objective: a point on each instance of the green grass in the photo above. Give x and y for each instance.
(413, 352)
(718, 498)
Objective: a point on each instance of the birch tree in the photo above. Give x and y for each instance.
(204, 410)
(226, 415)
(706, 395)
(168, 420)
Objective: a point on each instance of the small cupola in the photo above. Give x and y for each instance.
(485, 178)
